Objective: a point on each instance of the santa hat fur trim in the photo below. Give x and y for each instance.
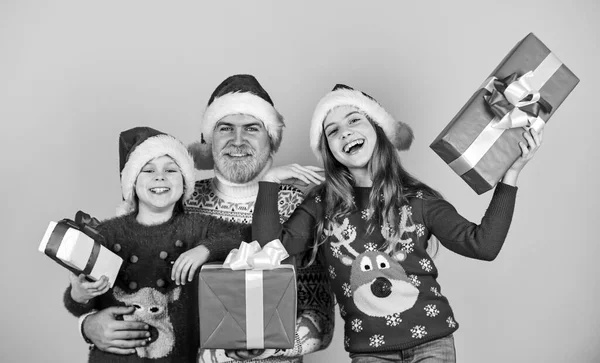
(237, 94)
(399, 133)
(149, 149)
(243, 103)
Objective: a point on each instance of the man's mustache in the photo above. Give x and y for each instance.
(237, 149)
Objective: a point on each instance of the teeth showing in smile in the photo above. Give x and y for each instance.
(159, 190)
(350, 145)
(238, 155)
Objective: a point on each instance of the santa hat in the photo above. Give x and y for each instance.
(238, 94)
(399, 133)
(139, 145)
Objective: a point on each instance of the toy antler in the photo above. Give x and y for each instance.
(344, 235)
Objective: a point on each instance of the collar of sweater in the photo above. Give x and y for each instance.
(238, 193)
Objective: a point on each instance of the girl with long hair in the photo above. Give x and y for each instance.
(374, 225)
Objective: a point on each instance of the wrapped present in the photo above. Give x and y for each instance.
(76, 245)
(248, 302)
(523, 92)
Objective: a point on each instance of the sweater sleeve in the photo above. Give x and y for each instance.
(296, 234)
(456, 233)
(219, 236)
(76, 308)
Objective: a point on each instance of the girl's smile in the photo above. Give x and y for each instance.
(159, 190)
(350, 136)
(159, 185)
(354, 146)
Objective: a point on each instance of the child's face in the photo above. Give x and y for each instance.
(350, 136)
(159, 185)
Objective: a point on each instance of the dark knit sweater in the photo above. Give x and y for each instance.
(388, 302)
(144, 281)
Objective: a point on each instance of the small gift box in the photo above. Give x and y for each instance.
(76, 245)
(248, 302)
(524, 91)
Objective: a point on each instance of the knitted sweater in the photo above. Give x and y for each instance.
(235, 203)
(144, 281)
(389, 301)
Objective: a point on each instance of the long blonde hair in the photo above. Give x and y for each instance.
(392, 187)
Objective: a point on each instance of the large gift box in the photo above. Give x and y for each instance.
(524, 91)
(76, 245)
(249, 302)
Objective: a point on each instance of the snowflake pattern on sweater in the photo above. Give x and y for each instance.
(388, 293)
(391, 299)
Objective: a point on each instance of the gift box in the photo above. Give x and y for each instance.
(76, 245)
(247, 305)
(526, 88)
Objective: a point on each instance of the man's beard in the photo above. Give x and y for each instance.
(243, 170)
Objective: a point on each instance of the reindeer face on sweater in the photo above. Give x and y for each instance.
(151, 307)
(380, 286)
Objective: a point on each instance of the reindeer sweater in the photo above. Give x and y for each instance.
(144, 281)
(389, 302)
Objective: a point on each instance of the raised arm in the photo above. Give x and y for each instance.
(458, 234)
(485, 240)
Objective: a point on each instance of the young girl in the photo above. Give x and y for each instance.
(373, 224)
(161, 247)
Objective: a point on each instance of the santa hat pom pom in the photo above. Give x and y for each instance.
(403, 136)
(202, 154)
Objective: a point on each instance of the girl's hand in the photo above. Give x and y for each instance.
(187, 263)
(534, 141)
(295, 174)
(83, 290)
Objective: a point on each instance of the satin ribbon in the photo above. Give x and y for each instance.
(251, 258)
(514, 102)
(514, 111)
(84, 223)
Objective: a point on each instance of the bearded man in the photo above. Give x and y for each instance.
(240, 132)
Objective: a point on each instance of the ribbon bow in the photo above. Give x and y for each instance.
(251, 257)
(514, 102)
(86, 224)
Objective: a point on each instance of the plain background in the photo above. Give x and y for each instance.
(74, 74)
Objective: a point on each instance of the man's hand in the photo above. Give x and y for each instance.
(187, 263)
(115, 336)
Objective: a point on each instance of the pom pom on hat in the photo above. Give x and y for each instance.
(399, 133)
(238, 94)
(139, 145)
(202, 153)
